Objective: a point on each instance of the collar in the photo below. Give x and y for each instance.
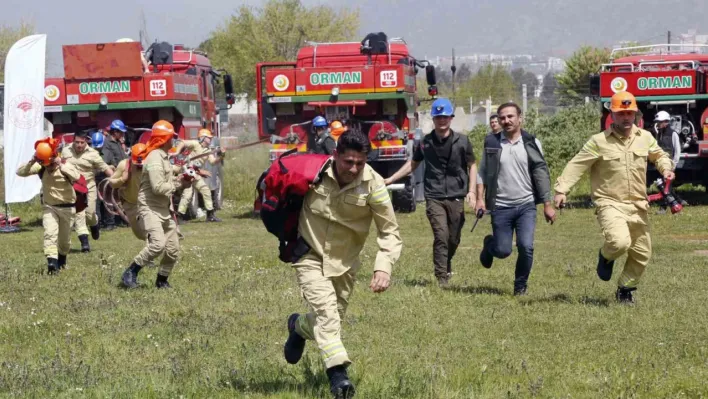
(433, 136)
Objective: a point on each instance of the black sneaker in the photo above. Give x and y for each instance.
(130, 276)
(604, 267)
(624, 295)
(486, 258)
(444, 282)
(295, 345)
(95, 232)
(85, 247)
(520, 291)
(211, 217)
(52, 267)
(161, 282)
(61, 262)
(339, 383)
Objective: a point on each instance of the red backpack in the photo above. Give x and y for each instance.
(281, 191)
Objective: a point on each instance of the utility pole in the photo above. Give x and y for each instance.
(669, 41)
(453, 68)
(488, 111)
(525, 97)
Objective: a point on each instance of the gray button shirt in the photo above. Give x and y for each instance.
(514, 183)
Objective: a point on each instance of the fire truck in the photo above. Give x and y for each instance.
(669, 78)
(369, 86)
(107, 81)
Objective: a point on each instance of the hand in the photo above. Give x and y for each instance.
(56, 161)
(471, 199)
(380, 282)
(388, 181)
(480, 205)
(184, 181)
(559, 200)
(669, 175)
(549, 213)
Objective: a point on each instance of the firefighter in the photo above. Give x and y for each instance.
(157, 185)
(199, 147)
(336, 128)
(450, 178)
(86, 160)
(105, 218)
(58, 201)
(670, 142)
(113, 153)
(127, 177)
(322, 142)
(334, 223)
(617, 161)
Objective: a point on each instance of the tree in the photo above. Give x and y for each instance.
(489, 81)
(8, 36)
(574, 82)
(522, 77)
(273, 33)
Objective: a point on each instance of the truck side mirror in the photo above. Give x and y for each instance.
(595, 84)
(430, 75)
(229, 89)
(269, 117)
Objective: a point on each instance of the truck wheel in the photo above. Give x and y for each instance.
(404, 200)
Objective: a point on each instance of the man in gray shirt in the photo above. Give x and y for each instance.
(513, 178)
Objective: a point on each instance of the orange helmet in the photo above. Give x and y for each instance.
(136, 152)
(44, 152)
(623, 101)
(204, 133)
(163, 128)
(336, 129)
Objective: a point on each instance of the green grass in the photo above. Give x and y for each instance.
(219, 332)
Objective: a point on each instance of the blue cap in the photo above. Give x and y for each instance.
(118, 125)
(97, 139)
(442, 107)
(319, 122)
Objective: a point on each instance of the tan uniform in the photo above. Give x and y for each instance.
(618, 170)
(335, 223)
(195, 149)
(58, 206)
(129, 195)
(154, 208)
(86, 163)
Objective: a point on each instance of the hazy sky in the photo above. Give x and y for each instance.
(432, 28)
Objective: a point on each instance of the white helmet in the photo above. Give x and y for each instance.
(662, 116)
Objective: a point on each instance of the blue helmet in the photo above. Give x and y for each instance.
(319, 122)
(442, 107)
(97, 139)
(118, 125)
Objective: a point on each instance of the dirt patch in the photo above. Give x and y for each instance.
(702, 252)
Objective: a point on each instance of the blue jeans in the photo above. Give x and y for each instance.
(505, 221)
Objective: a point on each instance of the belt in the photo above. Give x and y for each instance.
(64, 205)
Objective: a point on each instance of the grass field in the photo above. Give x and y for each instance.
(220, 331)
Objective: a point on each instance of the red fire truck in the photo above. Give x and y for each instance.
(107, 81)
(668, 78)
(369, 86)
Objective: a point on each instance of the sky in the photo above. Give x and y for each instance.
(540, 27)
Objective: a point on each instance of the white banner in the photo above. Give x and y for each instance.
(23, 114)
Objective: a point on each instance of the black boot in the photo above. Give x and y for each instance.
(85, 247)
(161, 282)
(624, 295)
(130, 275)
(52, 267)
(485, 257)
(339, 383)
(295, 344)
(211, 217)
(95, 232)
(61, 263)
(604, 267)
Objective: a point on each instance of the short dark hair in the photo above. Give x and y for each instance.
(507, 105)
(494, 116)
(82, 134)
(353, 140)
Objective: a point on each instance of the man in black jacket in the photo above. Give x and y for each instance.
(513, 178)
(112, 155)
(450, 176)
